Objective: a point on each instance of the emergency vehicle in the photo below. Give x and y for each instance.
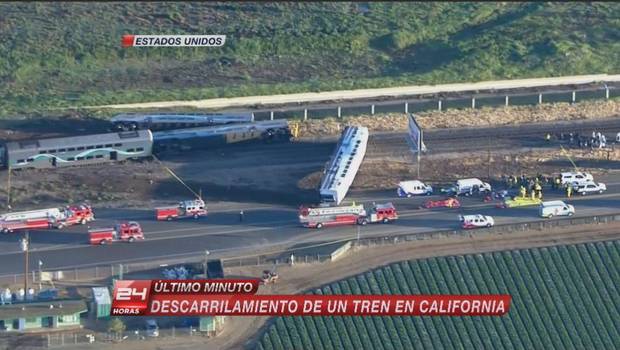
(555, 208)
(185, 209)
(128, 231)
(575, 178)
(46, 218)
(412, 188)
(443, 203)
(476, 221)
(324, 215)
(590, 187)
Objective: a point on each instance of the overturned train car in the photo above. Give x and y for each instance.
(208, 137)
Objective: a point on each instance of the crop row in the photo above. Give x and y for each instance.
(563, 297)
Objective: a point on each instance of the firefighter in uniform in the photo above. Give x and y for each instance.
(538, 190)
(569, 190)
(522, 192)
(558, 182)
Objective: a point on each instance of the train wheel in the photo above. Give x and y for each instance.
(132, 239)
(319, 225)
(169, 218)
(103, 242)
(196, 216)
(385, 220)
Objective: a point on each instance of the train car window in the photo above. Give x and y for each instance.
(99, 146)
(130, 150)
(118, 144)
(71, 159)
(80, 158)
(52, 151)
(139, 149)
(20, 160)
(99, 156)
(62, 150)
(109, 145)
(90, 147)
(90, 157)
(29, 160)
(70, 149)
(80, 148)
(42, 152)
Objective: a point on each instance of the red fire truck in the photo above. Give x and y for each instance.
(317, 217)
(128, 231)
(46, 218)
(185, 209)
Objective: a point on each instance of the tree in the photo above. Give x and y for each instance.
(116, 325)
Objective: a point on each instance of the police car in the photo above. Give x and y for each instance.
(476, 221)
(590, 187)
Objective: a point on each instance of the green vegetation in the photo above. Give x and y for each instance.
(69, 54)
(564, 297)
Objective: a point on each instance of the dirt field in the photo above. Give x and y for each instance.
(382, 173)
(453, 118)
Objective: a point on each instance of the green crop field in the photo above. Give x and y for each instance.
(69, 54)
(565, 297)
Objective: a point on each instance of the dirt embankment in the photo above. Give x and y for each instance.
(453, 118)
(380, 173)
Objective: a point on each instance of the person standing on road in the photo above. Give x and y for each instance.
(241, 216)
(569, 190)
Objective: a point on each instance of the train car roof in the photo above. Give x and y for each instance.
(183, 118)
(72, 141)
(218, 130)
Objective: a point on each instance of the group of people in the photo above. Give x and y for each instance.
(535, 184)
(596, 140)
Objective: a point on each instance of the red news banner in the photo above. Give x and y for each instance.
(235, 297)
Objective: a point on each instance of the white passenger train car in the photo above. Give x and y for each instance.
(344, 164)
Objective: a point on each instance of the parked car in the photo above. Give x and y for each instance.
(152, 329)
(590, 187)
(556, 208)
(476, 221)
(573, 177)
(413, 188)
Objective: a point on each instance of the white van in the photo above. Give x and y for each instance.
(555, 208)
(413, 188)
(575, 178)
(471, 186)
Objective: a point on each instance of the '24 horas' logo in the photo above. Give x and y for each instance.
(130, 297)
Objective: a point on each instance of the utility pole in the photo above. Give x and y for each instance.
(8, 188)
(205, 264)
(489, 157)
(25, 246)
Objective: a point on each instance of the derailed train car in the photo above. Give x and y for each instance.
(78, 150)
(165, 121)
(197, 138)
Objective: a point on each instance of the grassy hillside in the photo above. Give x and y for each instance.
(564, 297)
(59, 54)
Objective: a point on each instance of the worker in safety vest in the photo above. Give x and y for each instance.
(558, 182)
(569, 190)
(538, 190)
(522, 192)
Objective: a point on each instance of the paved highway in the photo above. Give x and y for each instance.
(264, 226)
(275, 225)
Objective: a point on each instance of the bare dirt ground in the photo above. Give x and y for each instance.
(454, 118)
(385, 173)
